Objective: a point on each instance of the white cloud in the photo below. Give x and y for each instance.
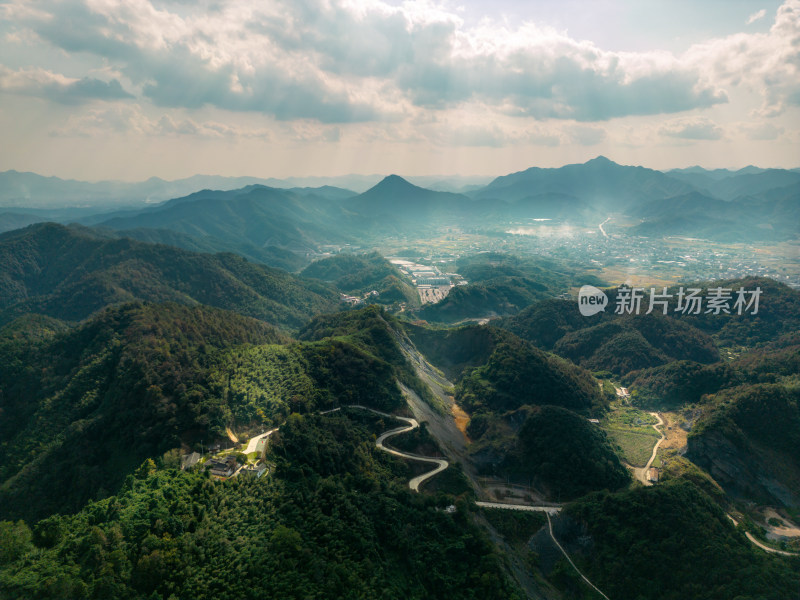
(756, 16)
(130, 120)
(699, 128)
(761, 131)
(57, 87)
(586, 135)
(396, 72)
(767, 64)
(340, 61)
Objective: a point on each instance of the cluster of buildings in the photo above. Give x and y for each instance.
(358, 300)
(678, 258)
(431, 283)
(226, 465)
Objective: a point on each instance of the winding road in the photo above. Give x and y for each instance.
(412, 424)
(440, 463)
(760, 544)
(641, 474)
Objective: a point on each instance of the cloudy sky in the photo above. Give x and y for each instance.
(128, 89)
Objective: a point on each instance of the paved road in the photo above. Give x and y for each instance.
(440, 463)
(530, 507)
(564, 552)
(414, 484)
(759, 544)
(251, 445)
(547, 510)
(767, 548)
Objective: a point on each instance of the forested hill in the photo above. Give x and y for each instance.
(69, 273)
(361, 274)
(88, 404)
(335, 520)
(625, 343)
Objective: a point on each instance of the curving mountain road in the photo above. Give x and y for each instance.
(440, 463)
(767, 548)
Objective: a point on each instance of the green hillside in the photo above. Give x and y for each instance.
(562, 453)
(502, 284)
(334, 520)
(685, 382)
(90, 403)
(255, 215)
(360, 274)
(69, 273)
(670, 542)
(748, 439)
(517, 374)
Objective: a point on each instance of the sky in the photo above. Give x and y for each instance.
(129, 89)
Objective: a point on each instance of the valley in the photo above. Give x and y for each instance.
(314, 392)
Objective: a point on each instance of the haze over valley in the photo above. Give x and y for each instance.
(480, 301)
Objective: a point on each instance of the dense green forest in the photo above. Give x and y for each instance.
(71, 272)
(625, 343)
(92, 402)
(616, 344)
(748, 438)
(685, 382)
(516, 373)
(523, 405)
(335, 520)
(503, 284)
(360, 274)
(113, 362)
(379, 334)
(561, 452)
(672, 542)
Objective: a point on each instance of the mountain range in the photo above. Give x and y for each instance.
(281, 225)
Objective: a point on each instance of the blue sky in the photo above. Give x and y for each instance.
(127, 89)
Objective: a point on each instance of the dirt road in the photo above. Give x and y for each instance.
(641, 474)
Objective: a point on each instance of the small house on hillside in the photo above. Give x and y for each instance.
(652, 475)
(222, 467)
(189, 460)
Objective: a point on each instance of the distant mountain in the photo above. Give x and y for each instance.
(256, 215)
(728, 185)
(300, 214)
(599, 182)
(272, 256)
(395, 197)
(715, 174)
(771, 215)
(10, 221)
(31, 190)
(69, 273)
